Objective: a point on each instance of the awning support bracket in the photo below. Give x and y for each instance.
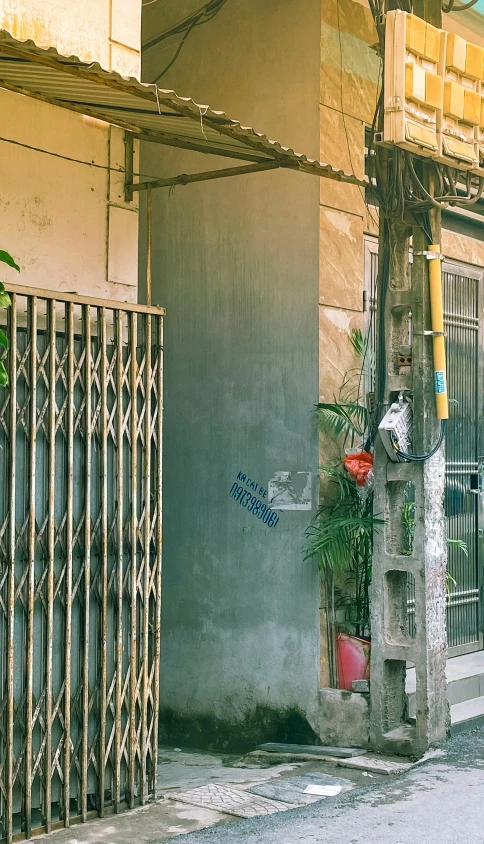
(186, 179)
(128, 166)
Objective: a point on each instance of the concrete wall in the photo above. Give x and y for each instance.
(62, 210)
(236, 263)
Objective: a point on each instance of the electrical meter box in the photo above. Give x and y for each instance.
(413, 95)
(434, 93)
(396, 430)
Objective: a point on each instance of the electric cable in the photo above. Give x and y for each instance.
(173, 60)
(184, 27)
(202, 15)
(421, 458)
(450, 7)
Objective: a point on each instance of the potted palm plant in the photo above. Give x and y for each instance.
(341, 535)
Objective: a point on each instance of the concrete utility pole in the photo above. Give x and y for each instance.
(395, 571)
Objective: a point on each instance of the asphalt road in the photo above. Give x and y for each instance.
(440, 801)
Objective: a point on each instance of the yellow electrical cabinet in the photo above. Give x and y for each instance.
(434, 93)
(413, 84)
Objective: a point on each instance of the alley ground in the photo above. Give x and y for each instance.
(439, 800)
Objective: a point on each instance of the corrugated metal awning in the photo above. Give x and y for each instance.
(146, 110)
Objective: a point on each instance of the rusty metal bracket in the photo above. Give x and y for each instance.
(128, 166)
(187, 179)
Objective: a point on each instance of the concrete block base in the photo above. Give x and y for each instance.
(343, 718)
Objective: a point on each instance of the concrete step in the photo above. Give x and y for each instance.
(465, 681)
(467, 715)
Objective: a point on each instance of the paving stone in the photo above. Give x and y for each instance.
(292, 789)
(312, 750)
(284, 794)
(375, 765)
(231, 801)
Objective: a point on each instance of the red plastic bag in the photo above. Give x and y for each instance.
(359, 466)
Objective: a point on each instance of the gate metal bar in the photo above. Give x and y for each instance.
(80, 559)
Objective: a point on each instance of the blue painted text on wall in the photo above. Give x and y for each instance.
(254, 505)
(243, 478)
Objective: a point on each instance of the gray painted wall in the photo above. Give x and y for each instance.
(236, 265)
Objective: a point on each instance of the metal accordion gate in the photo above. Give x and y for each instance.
(80, 559)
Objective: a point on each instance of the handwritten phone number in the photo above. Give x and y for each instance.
(254, 505)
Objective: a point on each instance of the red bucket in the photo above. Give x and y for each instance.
(353, 656)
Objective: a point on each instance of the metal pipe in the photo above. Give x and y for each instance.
(133, 389)
(103, 424)
(148, 433)
(51, 326)
(82, 300)
(87, 555)
(185, 179)
(32, 330)
(158, 549)
(119, 580)
(10, 774)
(69, 315)
(438, 339)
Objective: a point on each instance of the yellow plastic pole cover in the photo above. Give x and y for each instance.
(438, 340)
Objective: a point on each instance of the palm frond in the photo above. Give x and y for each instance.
(333, 541)
(358, 342)
(460, 544)
(348, 418)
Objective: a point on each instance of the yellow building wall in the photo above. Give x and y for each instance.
(348, 96)
(104, 31)
(349, 85)
(62, 209)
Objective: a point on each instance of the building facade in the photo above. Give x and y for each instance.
(265, 282)
(63, 214)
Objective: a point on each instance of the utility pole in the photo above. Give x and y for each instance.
(399, 572)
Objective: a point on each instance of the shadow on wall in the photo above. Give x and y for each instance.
(262, 724)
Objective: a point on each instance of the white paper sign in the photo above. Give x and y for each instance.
(323, 790)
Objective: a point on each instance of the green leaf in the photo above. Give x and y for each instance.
(3, 375)
(6, 258)
(350, 418)
(460, 544)
(3, 339)
(4, 300)
(358, 342)
(333, 540)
